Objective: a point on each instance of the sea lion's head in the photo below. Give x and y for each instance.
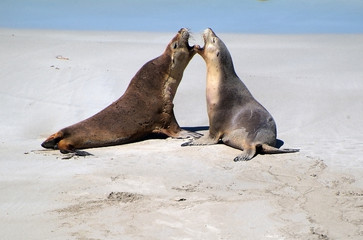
(180, 51)
(214, 49)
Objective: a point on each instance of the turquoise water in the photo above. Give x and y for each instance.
(243, 16)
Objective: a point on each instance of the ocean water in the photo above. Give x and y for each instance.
(240, 16)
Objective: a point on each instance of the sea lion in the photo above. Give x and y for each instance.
(146, 106)
(235, 117)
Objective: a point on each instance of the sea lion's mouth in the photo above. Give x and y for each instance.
(200, 49)
(190, 48)
(185, 35)
(208, 37)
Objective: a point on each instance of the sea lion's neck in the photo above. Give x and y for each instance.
(222, 82)
(214, 82)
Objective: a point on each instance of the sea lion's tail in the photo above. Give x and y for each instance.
(272, 150)
(53, 140)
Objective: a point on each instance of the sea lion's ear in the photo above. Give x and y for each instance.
(214, 40)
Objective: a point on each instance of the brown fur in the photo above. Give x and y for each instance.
(146, 106)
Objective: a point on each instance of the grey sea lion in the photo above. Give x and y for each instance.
(235, 117)
(146, 106)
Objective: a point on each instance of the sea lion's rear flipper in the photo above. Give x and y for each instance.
(52, 141)
(272, 150)
(57, 141)
(246, 155)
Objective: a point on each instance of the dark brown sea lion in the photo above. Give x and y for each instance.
(235, 117)
(146, 107)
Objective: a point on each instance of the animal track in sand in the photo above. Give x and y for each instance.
(318, 234)
(350, 194)
(124, 197)
(113, 197)
(187, 188)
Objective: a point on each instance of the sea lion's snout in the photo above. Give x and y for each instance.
(184, 35)
(209, 31)
(205, 35)
(209, 37)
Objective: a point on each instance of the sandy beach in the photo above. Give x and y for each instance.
(156, 189)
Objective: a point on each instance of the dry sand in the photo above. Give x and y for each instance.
(155, 189)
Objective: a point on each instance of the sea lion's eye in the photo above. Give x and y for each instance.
(175, 45)
(214, 40)
(218, 54)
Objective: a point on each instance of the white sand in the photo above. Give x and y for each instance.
(155, 189)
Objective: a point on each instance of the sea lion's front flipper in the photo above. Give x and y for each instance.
(179, 133)
(204, 140)
(183, 134)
